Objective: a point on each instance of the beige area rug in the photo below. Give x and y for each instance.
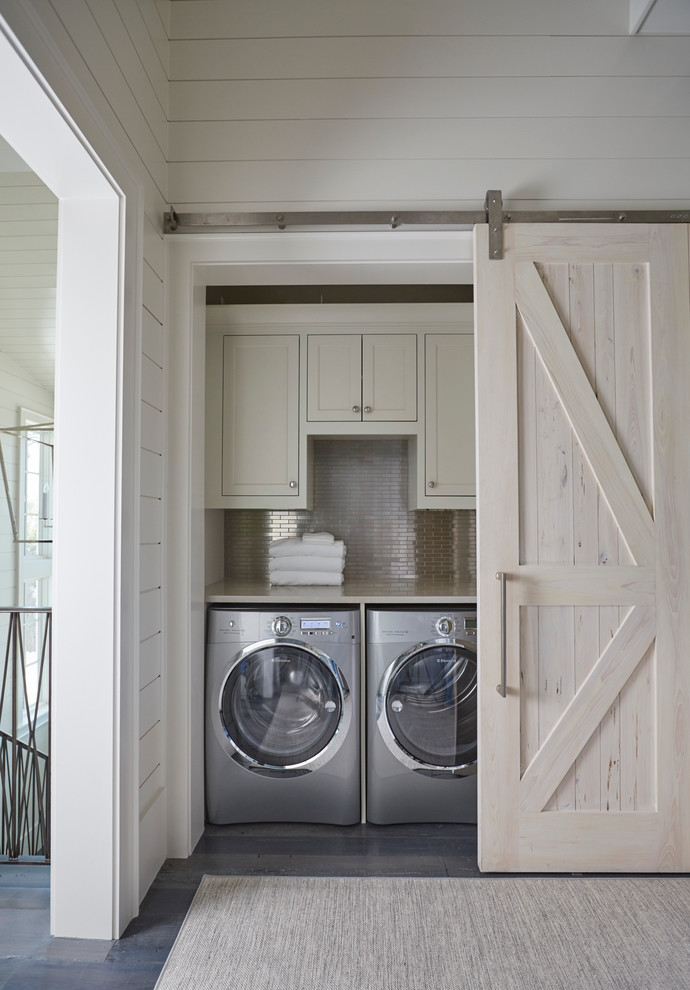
(288, 933)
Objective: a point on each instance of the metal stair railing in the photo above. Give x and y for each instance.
(24, 766)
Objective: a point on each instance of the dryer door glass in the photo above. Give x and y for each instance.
(281, 705)
(431, 705)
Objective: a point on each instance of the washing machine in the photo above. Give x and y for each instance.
(282, 715)
(421, 715)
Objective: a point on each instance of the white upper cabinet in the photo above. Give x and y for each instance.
(260, 415)
(278, 377)
(449, 461)
(389, 377)
(369, 377)
(253, 445)
(334, 378)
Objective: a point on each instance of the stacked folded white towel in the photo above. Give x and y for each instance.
(315, 558)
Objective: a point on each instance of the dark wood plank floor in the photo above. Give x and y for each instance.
(31, 960)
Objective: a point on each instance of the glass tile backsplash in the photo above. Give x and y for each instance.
(361, 496)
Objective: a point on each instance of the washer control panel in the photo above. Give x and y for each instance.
(250, 625)
(336, 626)
(319, 626)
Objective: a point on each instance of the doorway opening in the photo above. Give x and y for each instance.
(251, 261)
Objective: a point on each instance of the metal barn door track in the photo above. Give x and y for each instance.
(493, 214)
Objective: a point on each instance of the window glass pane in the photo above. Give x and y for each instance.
(33, 629)
(32, 686)
(33, 490)
(34, 522)
(31, 593)
(33, 457)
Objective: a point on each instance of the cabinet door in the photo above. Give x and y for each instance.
(389, 377)
(260, 447)
(449, 462)
(334, 378)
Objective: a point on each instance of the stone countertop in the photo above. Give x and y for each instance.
(393, 592)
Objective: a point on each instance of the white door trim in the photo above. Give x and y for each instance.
(87, 890)
(195, 261)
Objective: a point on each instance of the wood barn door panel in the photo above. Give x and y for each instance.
(564, 517)
(581, 336)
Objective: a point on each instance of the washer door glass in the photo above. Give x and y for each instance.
(431, 706)
(281, 705)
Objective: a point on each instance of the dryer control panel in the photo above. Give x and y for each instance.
(421, 625)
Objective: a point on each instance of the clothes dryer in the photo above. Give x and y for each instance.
(282, 715)
(421, 715)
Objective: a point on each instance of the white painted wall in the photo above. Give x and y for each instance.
(395, 105)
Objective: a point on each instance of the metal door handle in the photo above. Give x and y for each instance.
(367, 409)
(502, 687)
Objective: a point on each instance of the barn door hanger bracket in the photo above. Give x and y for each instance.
(493, 205)
(496, 218)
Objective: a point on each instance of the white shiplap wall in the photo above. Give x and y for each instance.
(120, 53)
(28, 272)
(360, 105)
(152, 839)
(108, 62)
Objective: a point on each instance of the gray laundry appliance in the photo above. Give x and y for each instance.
(282, 715)
(421, 714)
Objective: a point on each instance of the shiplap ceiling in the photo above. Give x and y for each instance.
(10, 160)
(659, 17)
(28, 265)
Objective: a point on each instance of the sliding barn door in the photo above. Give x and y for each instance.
(583, 417)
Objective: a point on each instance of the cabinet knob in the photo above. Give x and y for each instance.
(367, 409)
(355, 409)
(431, 484)
(293, 484)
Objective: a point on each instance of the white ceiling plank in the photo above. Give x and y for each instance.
(660, 17)
(275, 18)
(639, 9)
